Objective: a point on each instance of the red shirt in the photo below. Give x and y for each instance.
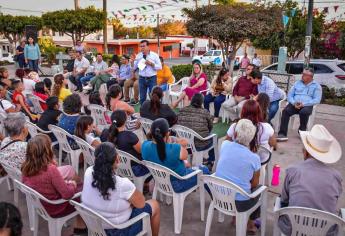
(44, 97)
(15, 101)
(244, 88)
(51, 185)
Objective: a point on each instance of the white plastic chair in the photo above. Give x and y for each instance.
(166, 96)
(33, 198)
(223, 194)
(307, 221)
(190, 135)
(265, 155)
(13, 174)
(97, 112)
(163, 185)
(176, 89)
(145, 126)
(87, 150)
(295, 120)
(124, 169)
(34, 130)
(95, 221)
(61, 136)
(277, 117)
(36, 103)
(2, 128)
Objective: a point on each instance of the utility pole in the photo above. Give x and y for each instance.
(76, 4)
(307, 48)
(196, 3)
(209, 2)
(196, 39)
(105, 27)
(158, 42)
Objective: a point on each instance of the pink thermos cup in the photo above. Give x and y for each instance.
(275, 175)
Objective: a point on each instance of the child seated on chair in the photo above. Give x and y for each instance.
(86, 130)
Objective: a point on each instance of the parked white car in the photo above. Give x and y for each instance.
(6, 56)
(214, 56)
(329, 73)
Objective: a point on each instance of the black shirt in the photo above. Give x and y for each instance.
(48, 117)
(20, 49)
(164, 112)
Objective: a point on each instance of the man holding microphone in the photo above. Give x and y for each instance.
(148, 63)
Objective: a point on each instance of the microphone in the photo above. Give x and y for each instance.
(144, 56)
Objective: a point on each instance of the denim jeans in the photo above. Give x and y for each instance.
(180, 186)
(144, 84)
(218, 101)
(33, 65)
(164, 87)
(211, 156)
(272, 110)
(83, 80)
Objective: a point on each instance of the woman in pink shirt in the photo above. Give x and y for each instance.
(197, 83)
(41, 173)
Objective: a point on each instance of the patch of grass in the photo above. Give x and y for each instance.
(220, 129)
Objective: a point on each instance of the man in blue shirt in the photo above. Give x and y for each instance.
(302, 97)
(267, 85)
(148, 64)
(125, 72)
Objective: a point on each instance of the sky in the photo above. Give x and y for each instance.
(169, 9)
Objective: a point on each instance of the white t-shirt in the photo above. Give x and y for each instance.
(117, 209)
(80, 65)
(265, 132)
(5, 105)
(90, 138)
(29, 86)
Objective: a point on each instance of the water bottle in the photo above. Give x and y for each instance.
(275, 176)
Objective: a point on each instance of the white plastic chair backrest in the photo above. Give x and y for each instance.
(92, 219)
(34, 198)
(311, 222)
(12, 172)
(124, 168)
(161, 176)
(97, 112)
(87, 150)
(187, 133)
(223, 193)
(146, 125)
(32, 128)
(36, 102)
(185, 82)
(61, 136)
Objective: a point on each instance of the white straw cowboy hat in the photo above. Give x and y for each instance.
(321, 145)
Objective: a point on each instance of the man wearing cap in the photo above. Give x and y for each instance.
(313, 183)
(303, 95)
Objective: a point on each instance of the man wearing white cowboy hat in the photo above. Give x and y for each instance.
(313, 183)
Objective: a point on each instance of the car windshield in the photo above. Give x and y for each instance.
(342, 66)
(217, 53)
(208, 54)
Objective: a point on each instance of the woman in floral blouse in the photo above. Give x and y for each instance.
(13, 148)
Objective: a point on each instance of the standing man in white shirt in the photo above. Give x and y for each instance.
(81, 64)
(148, 64)
(256, 61)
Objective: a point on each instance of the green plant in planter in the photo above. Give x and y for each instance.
(180, 71)
(48, 48)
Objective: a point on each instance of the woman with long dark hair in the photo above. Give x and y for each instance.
(165, 151)
(264, 102)
(113, 100)
(86, 130)
(220, 87)
(32, 54)
(154, 109)
(264, 131)
(10, 220)
(114, 197)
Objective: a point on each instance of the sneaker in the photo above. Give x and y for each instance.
(127, 100)
(87, 87)
(215, 120)
(282, 138)
(133, 102)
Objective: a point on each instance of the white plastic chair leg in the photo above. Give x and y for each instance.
(241, 224)
(31, 214)
(178, 202)
(209, 219)
(154, 194)
(54, 228)
(269, 173)
(139, 183)
(263, 212)
(202, 201)
(220, 217)
(15, 193)
(9, 185)
(35, 223)
(60, 155)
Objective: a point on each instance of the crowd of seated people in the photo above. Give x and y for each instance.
(253, 100)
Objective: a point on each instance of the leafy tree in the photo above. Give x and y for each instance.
(232, 24)
(13, 27)
(224, 2)
(119, 30)
(48, 48)
(171, 28)
(75, 23)
(293, 36)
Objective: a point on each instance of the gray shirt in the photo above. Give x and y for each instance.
(311, 184)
